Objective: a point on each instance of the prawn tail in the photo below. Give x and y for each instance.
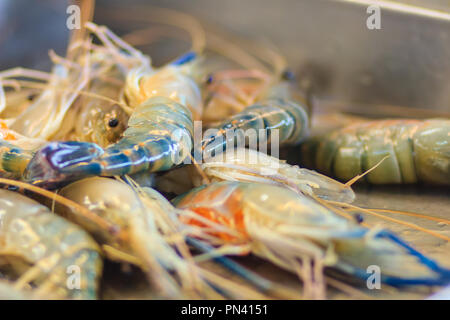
(396, 262)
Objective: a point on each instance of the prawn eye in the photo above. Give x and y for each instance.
(113, 122)
(288, 75)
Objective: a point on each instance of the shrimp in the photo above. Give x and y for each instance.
(146, 145)
(247, 165)
(154, 242)
(102, 122)
(416, 151)
(41, 246)
(174, 81)
(79, 87)
(301, 235)
(228, 92)
(283, 120)
(101, 118)
(263, 101)
(97, 115)
(122, 206)
(178, 80)
(42, 118)
(95, 119)
(159, 136)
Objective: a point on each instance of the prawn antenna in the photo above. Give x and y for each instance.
(359, 176)
(378, 215)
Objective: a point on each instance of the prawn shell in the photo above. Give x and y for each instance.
(35, 236)
(169, 82)
(108, 198)
(432, 151)
(285, 227)
(404, 151)
(158, 137)
(378, 145)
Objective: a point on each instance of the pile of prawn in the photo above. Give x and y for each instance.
(91, 151)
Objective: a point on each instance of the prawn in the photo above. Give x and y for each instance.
(154, 243)
(174, 81)
(179, 79)
(284, 121)
(42, 118)
(40, 246)
(227, 92)
(158, 137)
(145, 146)
(247, 165)
(416, 151)
(97, 73)
(301, 235)
(98, 116)
(259, 100)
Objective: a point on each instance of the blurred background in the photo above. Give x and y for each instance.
(405, 64)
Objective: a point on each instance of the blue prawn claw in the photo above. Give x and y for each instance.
(61, 162)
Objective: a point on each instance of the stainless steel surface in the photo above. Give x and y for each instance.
(405, 63)
(29, 29)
